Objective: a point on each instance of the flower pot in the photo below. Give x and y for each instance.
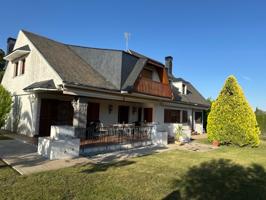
(215, 143)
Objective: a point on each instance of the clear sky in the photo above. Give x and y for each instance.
(209, 40)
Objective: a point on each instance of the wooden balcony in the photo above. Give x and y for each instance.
(148, 86)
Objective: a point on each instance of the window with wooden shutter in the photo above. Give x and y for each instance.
(171, 116)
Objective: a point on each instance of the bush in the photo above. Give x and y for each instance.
(5, 104)
(232, 120)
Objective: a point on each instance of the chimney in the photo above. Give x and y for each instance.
(10, 44)
(169, 64)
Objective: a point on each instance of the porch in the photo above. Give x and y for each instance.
(115, 137)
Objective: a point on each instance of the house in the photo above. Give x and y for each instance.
(59, 84)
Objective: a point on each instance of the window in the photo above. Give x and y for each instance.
(146, 73)
(184, 89)
(16, 69)
(198, 117)
(147, 112)
(23, 66)
(171, 116)
(184, 116)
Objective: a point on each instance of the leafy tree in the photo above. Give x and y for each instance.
(5, 104)
(2, 64)
(232, 120)
(2, 61)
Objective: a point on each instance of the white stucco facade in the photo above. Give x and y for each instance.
(24, 113)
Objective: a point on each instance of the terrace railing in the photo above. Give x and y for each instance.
(91, 137)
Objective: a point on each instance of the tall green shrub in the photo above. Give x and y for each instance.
(232, 120)
(5, 104)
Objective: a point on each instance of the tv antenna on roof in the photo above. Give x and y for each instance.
(127, 37)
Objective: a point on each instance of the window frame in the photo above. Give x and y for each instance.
(22, 71)
(16, 68)
(172, 116)
(199, 117)
(183, 117)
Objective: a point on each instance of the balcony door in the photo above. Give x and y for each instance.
(123, 114)
(148, 114)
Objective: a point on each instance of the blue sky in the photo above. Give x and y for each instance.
(209, 40)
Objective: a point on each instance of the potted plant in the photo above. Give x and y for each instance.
(181, 136)
(215, 143)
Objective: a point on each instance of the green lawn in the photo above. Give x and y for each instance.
(225, 173)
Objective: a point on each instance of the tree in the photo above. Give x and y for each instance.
(5, 104)
(2, 64)
(2, 61)
(206, 113)
(261, 119)
(232, 120)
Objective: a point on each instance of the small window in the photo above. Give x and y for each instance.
(23, 66)
(146, 73)
(183, 89)
(198, 117)
(171, 116)
(16, 69)
(184, 116)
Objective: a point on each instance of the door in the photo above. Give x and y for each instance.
(93, 112)
(54, 112)
(147, 114)
(123, 114)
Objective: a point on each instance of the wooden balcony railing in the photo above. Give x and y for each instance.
(147, 86)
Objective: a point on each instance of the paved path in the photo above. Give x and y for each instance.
(23, 158)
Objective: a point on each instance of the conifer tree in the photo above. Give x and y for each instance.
(232, 120)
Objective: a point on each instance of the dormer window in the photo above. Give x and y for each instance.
(16, 69)
(147, 73)
(19, 67)
(23, 66)
(184, 89)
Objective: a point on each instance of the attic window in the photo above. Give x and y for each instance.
(16, 69)
(23, 66)
(146, 73)
(184, 89)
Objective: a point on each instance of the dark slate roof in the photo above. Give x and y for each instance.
(102, 68)
(192, 97)
(69, 66)
(49, 84)
(143, 56)
(129, 82)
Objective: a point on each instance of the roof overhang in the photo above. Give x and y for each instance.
(17, 53)
(47, 85)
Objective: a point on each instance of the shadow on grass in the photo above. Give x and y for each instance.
(221, 179)
(105, 166)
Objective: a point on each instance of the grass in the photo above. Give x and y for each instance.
(226, 173)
